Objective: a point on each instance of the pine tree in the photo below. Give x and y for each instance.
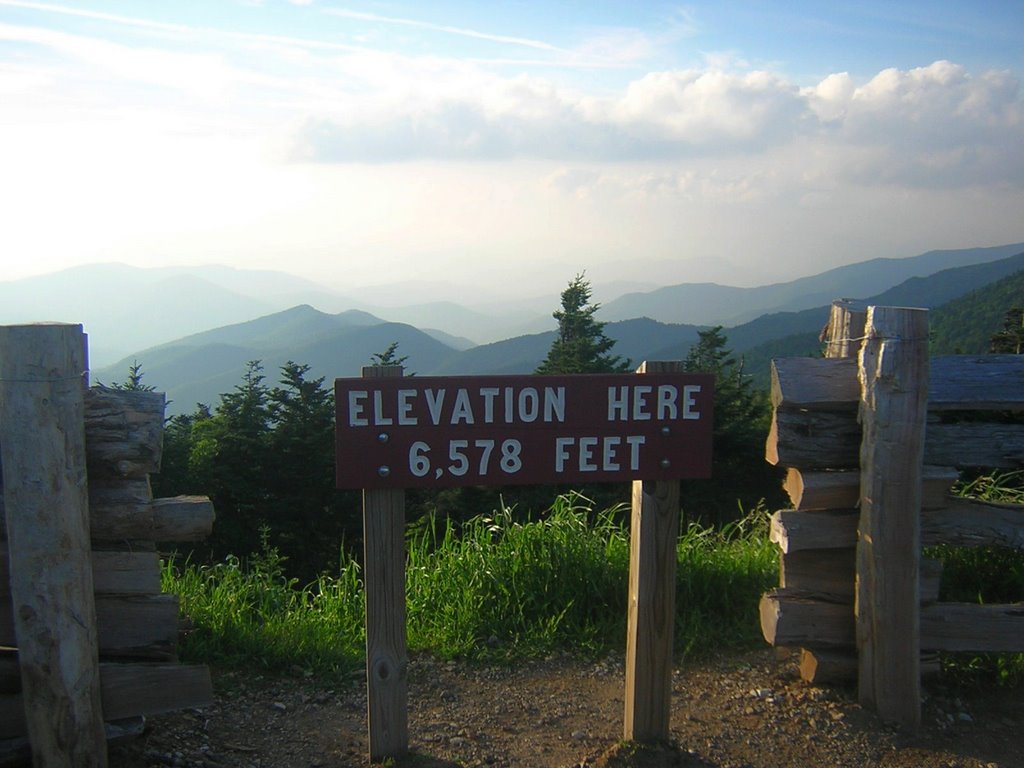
(1010, 340)
(581, 345)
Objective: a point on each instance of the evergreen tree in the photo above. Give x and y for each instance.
(741, 420)
(389, 356)
(134, 382)
(229, 459)
(1010, 340)
(301, 476)
(581, 345)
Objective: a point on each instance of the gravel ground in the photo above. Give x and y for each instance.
(745, 711)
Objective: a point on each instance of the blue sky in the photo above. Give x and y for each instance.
(508, 144)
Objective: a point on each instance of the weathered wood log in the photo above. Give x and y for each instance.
(976, 382)
(120, 508)
(964, 522)
(973, 627)
(182, 518)
(47, 522)
(128, 626)
(831, 666)
(968, 523)
(810, 491)
(814, 439)
(833, 572)
(126, 510)
(845, 330)
(829, 529)
(975, 444)
(825, 667)
(956, 383)
(129, 690)
(121, 573)
(123, 432)
(829, 571)
(799, 619)
(830, 440)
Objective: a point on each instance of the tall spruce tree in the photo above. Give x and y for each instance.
(581, 345)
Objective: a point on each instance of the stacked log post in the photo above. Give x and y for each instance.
(137, 627)
(816, 436)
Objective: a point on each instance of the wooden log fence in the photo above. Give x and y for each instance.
(863, 441)
(78, 562)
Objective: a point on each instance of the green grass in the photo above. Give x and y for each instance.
(495, 589)
(984, 575)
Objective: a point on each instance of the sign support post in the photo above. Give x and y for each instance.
(387, 661)
(654, 532)
(395, 433)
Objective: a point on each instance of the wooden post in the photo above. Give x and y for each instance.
(384, 573)
(893, 374)
(46, 503)
(654, 533)
(845, 330)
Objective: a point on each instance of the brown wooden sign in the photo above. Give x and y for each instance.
(436, 432)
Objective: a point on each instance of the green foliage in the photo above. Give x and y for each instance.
(389, 356)
(581, 345)
(501, 589)
(250, 614)
(741, 422)
(266, 459)
(966, 325)
(134, 381)
(1010, 339)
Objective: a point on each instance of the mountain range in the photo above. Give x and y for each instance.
(194, 329)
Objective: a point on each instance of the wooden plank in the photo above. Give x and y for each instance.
(976, 382)
(135, 626)
(968, 523)
(654, 531)
(124, 509)
(973, 627)
(824, 667)
(182, 518)
(814, 439)
(894, 396)
(384, 578)
(47, 519)
(790, 618)
(829, 529)
(120, 508)
(975, 444)
(962, 523)
(815, 383)
(957, 383)
(812, 490)
(833, 572)
(151, 689)
(845, 329)
(123, 432)
(797, 619)
(129, 690)
(112, 573)
(830, 571)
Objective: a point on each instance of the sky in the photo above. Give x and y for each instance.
(511, 144)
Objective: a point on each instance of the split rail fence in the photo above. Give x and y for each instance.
(87, 641)
(872, 437)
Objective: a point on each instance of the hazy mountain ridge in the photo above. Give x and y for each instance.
(713, 304)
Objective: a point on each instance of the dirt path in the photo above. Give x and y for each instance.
(748, 711)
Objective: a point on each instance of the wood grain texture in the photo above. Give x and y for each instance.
(47, 522)
(654, 531)
(384, 579)
(893, 374)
